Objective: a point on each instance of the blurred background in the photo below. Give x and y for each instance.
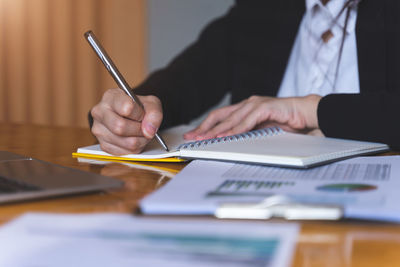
(49, 74)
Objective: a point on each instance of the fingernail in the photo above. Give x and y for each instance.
(149, 130)
(187, 136)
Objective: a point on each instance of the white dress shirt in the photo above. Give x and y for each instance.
(312, 64)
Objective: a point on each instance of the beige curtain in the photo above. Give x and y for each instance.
(48, 72)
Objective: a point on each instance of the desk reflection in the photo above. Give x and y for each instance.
(345, 244)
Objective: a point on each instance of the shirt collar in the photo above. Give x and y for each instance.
(333, 8)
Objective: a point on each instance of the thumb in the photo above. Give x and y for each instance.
(153, 116)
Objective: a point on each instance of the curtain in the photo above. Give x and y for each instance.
(48, 73)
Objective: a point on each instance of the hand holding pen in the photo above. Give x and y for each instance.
(118, 122)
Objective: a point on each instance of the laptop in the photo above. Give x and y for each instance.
(24, 178)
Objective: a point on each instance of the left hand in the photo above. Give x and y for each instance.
(294, 114)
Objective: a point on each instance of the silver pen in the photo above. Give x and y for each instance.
(117, 76)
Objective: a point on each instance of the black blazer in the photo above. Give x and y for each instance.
(246, 52)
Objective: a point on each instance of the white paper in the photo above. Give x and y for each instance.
(270, 146)
(366, 187)
(122, 240)
(173, 137)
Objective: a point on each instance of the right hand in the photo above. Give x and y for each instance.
(123, 127)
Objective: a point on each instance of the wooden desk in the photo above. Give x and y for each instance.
(320, 243)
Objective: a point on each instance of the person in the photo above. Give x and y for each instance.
(328, 67)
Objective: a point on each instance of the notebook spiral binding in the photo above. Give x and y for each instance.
(233, 138)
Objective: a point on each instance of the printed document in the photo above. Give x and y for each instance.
(365, 187)
(123, 240)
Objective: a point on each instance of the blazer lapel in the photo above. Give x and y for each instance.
(371, 45)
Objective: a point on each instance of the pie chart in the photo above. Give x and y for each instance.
(346, 187)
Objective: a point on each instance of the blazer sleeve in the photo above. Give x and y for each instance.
(196, 79)
(369, 117)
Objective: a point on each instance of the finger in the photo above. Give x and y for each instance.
(117, 150)
(316, 132)
(212, 119)
(190, 135)
(236, 118)
(284, 127)
(121, 126)
(127, 144)
(153, 116)
(269, 111)
(113, 149)
(123, 105)
(250, 121)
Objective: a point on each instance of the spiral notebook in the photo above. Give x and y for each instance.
(270, 146)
